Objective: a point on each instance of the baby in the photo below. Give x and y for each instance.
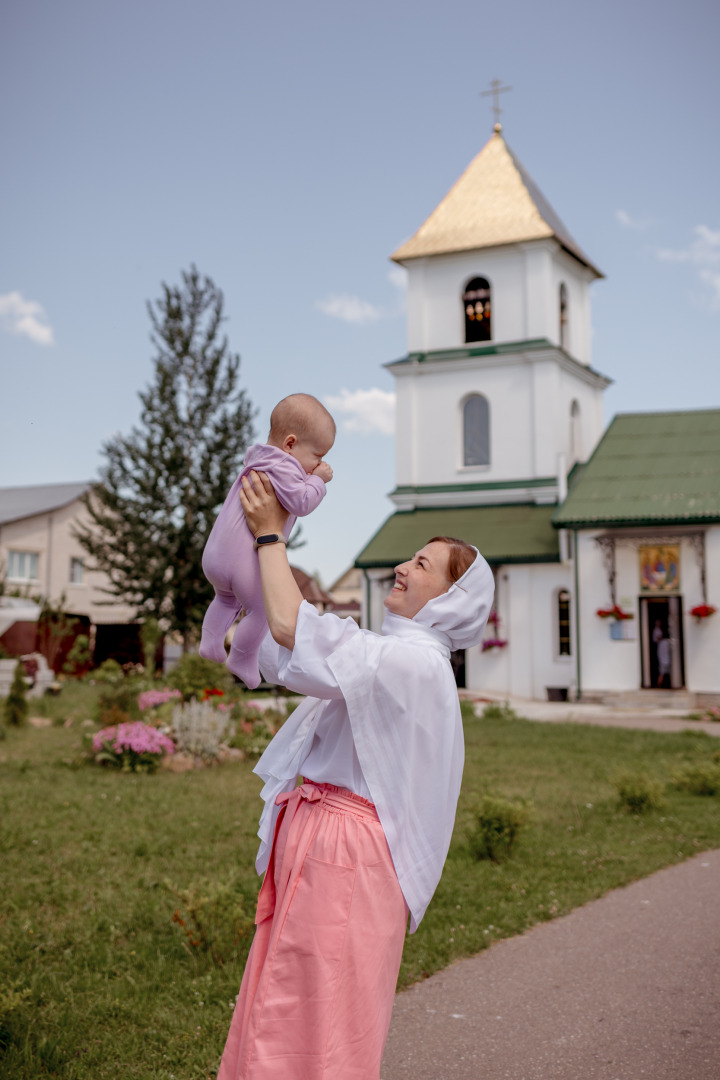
(302, 431)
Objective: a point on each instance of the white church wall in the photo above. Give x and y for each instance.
(527, 605)
(702, 639)
(606, 664)
(429, 423)
(577, 279)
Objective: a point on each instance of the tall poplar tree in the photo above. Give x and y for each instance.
(162, 485)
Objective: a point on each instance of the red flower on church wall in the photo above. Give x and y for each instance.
(702, 611)
(614, 612)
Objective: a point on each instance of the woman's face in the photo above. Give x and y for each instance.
(419, 580)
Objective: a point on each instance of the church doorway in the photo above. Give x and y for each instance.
(661, 643)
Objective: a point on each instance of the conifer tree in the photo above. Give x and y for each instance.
(16, 706)
(162, 485)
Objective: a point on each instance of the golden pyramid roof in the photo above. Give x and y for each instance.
(494, 202)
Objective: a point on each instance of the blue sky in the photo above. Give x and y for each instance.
(286, 150)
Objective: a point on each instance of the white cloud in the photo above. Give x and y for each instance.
(628, 222)
(364, 411)
(26, 318)
(354, 309)
(704, 250)
(704, 254)
(350, 309)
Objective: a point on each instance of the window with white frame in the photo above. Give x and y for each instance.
(77, 570)
(22, 566)
(476, 431)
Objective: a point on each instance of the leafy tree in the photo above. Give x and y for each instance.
(161, 485)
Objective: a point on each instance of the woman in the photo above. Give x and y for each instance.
(362, 842)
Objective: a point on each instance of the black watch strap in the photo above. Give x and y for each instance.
(269, 538)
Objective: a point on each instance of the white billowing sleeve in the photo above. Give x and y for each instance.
(305, 669)
(402, 704)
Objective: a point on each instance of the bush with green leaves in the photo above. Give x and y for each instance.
(16, 706)
(496, 710)
(119, 697)
(638, 792)
(193, 675)
(200, 729)
(499, 822)
(699, 779)
(108, 672)
(213, 918)
(255, 727)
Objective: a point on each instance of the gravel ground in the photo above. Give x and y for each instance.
(625, 988)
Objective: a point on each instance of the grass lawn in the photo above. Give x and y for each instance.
(113, 989)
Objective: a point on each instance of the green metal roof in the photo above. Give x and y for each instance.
(650, 468)
(504, 534)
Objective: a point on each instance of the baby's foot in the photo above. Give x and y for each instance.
(246, 668)
(212, 649)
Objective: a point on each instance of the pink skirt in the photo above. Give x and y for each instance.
(318, 987)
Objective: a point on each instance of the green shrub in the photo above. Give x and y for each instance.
(213, 919)
(638, 792)
(255, 728)
(78, 659)
(109, 672)
(192, 675)
(114, 698)
(499, 823)
(496, 711)
(700, 779)
(16, 706)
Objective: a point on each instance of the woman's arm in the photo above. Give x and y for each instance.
(281, 596)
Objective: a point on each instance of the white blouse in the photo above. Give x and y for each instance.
(383, 719)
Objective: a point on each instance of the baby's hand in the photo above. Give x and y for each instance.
(324, 471)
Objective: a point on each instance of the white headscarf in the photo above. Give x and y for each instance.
(402, 705)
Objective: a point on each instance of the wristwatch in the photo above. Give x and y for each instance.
(269, 538)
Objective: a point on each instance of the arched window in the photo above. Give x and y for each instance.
(476, 305)
(575, 432)
(476, 431)
(563, 623)
(564, 338)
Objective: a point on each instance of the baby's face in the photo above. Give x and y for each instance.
(311, 450)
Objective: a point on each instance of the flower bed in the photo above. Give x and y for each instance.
(151, 699)
(132, 747)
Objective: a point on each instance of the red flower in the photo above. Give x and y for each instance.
(208, 693)
(702, 611)
(615, 612)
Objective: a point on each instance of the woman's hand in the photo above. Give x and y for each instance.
(263, 511)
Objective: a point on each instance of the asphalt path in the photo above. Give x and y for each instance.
(624, 988)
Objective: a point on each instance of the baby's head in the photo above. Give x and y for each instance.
(302, 427)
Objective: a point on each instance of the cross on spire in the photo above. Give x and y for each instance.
(496, 89)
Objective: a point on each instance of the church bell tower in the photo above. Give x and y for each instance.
(496, 398)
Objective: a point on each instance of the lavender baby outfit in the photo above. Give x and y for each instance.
(230, 562)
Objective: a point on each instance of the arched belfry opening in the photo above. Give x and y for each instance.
(564, 316)
(476, 430)
(476, 301)
(576, 448)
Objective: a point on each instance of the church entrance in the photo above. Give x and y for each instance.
(661, 643)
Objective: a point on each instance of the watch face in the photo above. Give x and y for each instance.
(270, 538)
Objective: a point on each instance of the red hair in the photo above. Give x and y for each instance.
(462, 555)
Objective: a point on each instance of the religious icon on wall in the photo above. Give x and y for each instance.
(660, 568)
